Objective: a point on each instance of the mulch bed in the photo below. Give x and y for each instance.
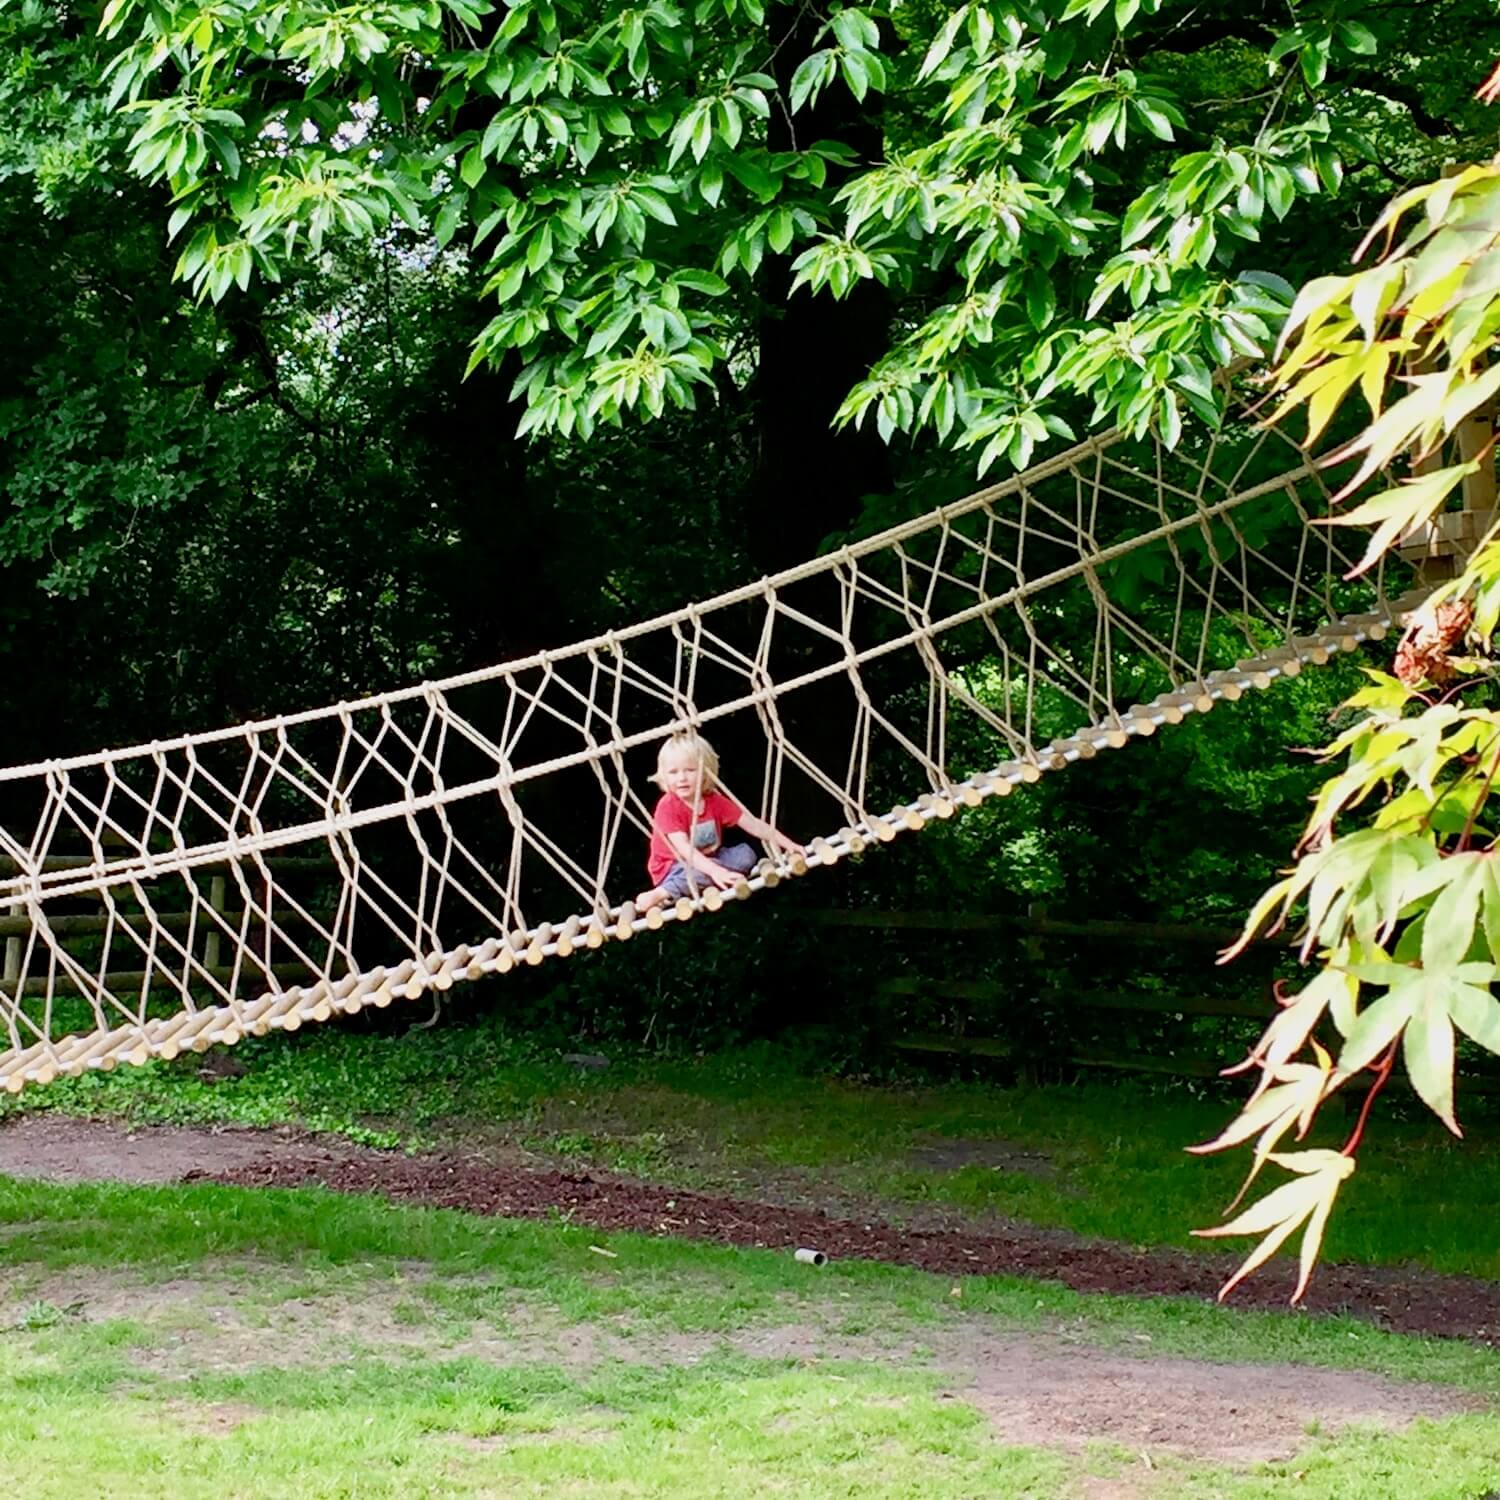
(1404, 1300)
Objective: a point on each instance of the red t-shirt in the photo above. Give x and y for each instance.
(705, 832)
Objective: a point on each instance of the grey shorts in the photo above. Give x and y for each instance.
(741, 858)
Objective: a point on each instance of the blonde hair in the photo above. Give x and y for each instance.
(701, 751)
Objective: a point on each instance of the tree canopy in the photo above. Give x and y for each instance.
(1041, 200)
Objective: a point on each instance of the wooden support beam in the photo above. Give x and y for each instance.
(1476, 440)
(1441, 548)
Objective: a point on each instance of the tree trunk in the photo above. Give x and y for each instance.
(809, 479)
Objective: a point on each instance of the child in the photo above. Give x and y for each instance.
(688, 825)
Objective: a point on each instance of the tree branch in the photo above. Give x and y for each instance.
(1369, 81)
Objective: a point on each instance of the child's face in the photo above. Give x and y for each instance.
(681, 774)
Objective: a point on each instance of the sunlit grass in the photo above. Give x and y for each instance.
(151, 1403)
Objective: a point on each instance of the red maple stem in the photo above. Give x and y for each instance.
(1479, 801)
(1382, 1076)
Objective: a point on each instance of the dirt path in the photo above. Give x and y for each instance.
(1044, 1389)
(59, 1148)
(1040, 1390)
(1401, 1299)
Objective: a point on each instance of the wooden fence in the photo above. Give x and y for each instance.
(83, 932)
(1036, 927)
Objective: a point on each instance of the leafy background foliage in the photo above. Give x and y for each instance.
(352, 344)
(1020, 181)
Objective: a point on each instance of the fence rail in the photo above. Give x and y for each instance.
(1038, 926)
(1037, 921)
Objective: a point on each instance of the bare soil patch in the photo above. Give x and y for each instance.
(953, 1153)
(60, 1148)
(1044, 1394)
(1041, 1390)
(245, 1315)
(1402, 1299)
(212, 1418)
(1044, 1391)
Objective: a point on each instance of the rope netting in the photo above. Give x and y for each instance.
(200, 889)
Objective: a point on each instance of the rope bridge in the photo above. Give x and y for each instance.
(190, 892)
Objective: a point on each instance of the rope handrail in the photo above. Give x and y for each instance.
(124, 869)
(402, 841)
(865, 547)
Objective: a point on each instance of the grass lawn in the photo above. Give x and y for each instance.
(1103, 1158)
(201, 1341)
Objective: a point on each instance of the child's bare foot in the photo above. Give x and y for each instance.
(647, 899)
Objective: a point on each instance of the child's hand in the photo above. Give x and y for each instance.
(722, 876)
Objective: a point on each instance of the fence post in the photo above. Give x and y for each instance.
(13, 953)
(217, 892)
(1037, 912)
